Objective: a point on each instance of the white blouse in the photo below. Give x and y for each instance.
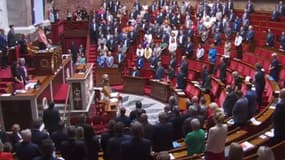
(217, 138)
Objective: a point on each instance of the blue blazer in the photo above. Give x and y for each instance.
(140, 62)
(159, 73)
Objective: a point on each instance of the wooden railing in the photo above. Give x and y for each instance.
(66, 107)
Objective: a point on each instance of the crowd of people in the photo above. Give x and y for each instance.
(132, 137)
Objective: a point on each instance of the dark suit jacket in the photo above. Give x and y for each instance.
(250, 8)
(140, 62)
(124, 119)
(51, 119)
(270, 39)
(27, 151)
(240, 111)
(223, 71)
(73, 149)
(162, 137)
(274, 73)
(181, 84)
(259, 83)
(275, 15)
(278, 120)
(58, 137)
(184, 67)
(250, 36)
(12, 41)
(229, 103)
(159, 73)
(251, 97)
(104, 141)
(114, 147)
(38, 136)
(3, 44)
(136, 148)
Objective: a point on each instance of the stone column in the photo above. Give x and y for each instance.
(3, 15)
(20, 12)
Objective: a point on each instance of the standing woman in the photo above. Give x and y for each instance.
(217, 137)
(16, 76)
(43, 41)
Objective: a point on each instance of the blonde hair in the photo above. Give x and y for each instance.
(219, 116)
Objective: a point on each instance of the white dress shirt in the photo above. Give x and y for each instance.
(238, 40)
(140, 52)
(200, 53)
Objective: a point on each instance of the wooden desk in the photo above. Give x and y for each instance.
(115, 77)
(25, 107)
(134, 85)
(160, 90)
(181, 98)
(235, 136)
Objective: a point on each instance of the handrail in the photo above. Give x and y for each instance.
(66, 103)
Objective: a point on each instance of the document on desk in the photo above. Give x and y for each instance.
(246, 146)
(6, 94)
(171, 156)
(255, 122)
(114, 94)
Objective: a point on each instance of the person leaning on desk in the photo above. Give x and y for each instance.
(18, 81)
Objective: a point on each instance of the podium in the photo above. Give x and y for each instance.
(115, 75)
(134, 85)
(47, 61)
(81, 88)
(160, 90)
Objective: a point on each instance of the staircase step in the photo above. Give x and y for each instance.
(61, 94)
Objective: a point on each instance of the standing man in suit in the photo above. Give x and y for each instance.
(278, 118)
(92, 31)
(229, 101)
(140, 62)
(250, 37)
(275, 14)
(223, 70)
(136, 147)
(74, 52)
(159, 73)
(120, 59)
(12, 41)
(163, 134)
(282, 41)
(274, 68)
(240, 110)
(251, 98)
(184, 65)
(281, 8)
(172, 62)
(249, 7)
(270, 38)
(217, 37)
(135, 72)
(51, 118)
(27, 150)
(180, 80)
(259, 83)
(4, 49)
